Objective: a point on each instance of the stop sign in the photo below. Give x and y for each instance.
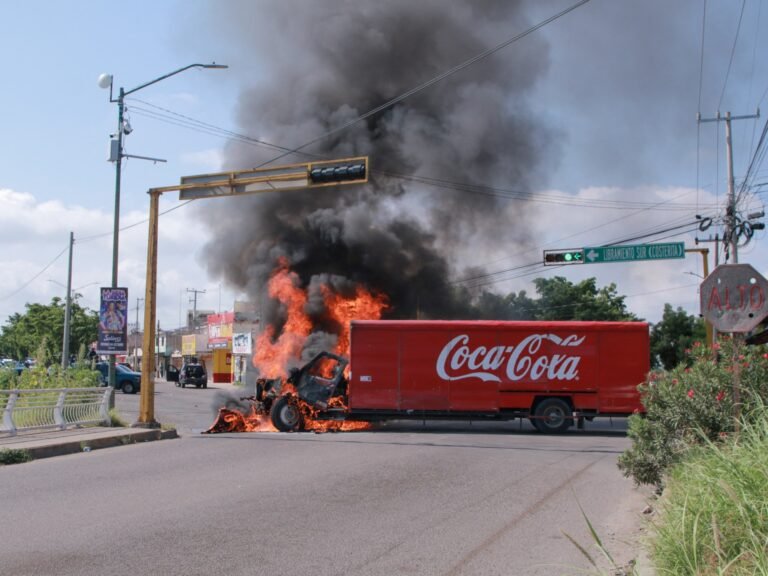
(734, 298)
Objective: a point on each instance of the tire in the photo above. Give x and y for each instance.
(285, 415)
(129, 388)
(553, 416)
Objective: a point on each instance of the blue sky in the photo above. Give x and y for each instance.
(621, 89)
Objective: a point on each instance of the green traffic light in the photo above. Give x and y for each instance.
(568, 256)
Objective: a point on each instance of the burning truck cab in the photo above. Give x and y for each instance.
(553, 373)
(317, 390)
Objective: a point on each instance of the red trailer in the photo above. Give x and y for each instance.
(554, 373)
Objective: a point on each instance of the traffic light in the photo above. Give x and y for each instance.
(560, 257)
(320, 173)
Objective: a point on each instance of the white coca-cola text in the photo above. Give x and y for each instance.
(459, 360)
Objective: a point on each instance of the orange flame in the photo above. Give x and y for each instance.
(364, 305)
(271, 358)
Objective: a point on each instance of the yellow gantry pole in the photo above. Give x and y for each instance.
(705, 258)
(147, 400)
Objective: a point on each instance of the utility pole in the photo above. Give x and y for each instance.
(194, 306)
(730, 239)
(67, 307)
(136, 335)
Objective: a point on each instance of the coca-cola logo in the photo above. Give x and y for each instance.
(459, 360)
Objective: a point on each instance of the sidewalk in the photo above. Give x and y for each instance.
(45, 444)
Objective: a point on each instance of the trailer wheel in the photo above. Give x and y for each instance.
(286, 415)
(552, 416)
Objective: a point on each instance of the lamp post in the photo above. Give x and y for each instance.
(116, 155)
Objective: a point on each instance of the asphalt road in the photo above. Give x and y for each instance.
(443, 499)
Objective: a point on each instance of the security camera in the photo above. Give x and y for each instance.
(127, 127)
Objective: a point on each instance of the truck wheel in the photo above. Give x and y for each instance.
(128, 388)
(286, 415)
(553, 416)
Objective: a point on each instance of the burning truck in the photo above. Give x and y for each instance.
(553, 373)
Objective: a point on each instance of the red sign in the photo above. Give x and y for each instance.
(734, 298)
(220, 329)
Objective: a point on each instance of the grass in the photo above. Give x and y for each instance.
(714, 513)
(116, 420)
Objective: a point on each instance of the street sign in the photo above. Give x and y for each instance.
(733, 298)
(632, 252)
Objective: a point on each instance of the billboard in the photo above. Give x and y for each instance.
(241, 343)
(113, 328)
(220, 330)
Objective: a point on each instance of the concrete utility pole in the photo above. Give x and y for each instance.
(194, 306)
(730, 238)
(68, 307)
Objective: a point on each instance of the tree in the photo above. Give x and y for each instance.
(675, 334)
(561, 299)
(43, 325)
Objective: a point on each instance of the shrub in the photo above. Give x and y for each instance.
(691, 405)
(14, 456)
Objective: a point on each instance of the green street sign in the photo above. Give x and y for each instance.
(631, 252)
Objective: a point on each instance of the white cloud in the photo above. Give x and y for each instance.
(34, 233)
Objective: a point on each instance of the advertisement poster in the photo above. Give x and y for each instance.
(241, 343)
(220, 330)
(113, 327)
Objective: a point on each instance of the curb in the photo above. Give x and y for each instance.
(86, 444)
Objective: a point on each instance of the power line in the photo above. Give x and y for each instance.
(733, 51)
(36, 276)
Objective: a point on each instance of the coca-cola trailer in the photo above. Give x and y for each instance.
(554, 373)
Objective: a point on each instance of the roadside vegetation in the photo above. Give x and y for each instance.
(703, 444)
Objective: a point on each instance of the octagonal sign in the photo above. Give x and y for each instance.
(734, 298)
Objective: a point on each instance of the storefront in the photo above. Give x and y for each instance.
(220, 345)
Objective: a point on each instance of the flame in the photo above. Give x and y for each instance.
(273, 356)
(364, 305)
(235, 421)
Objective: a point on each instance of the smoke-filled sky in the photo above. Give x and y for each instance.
(582, 133)
(605, 96)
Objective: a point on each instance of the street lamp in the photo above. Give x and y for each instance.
(116, 155)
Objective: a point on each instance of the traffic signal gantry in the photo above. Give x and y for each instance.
(275, 179)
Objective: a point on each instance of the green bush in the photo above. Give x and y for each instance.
(14, 456)
(714, 512)
(691, 405)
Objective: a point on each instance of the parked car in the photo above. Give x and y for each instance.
(172, 374)
(125, 379)
(193, 375)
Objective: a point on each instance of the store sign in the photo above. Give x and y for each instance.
(220, 330)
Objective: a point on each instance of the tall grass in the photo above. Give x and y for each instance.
(714, 515)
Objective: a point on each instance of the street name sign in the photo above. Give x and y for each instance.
(733, 298)
(633, 252)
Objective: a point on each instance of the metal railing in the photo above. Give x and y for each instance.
(53, 408)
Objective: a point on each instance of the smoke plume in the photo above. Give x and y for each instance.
(318, 65)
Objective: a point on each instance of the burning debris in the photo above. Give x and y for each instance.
(311, 398)
(291, 399)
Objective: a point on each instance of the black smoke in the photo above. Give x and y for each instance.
(318, 65)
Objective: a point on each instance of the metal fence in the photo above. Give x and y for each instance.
(53, 408)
